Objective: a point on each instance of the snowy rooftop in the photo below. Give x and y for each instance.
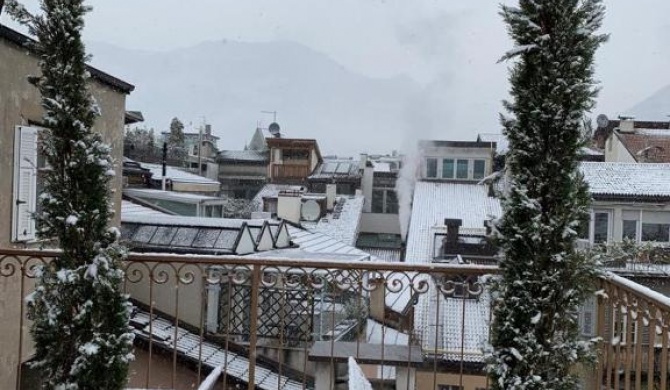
(315, 242)
(433, 202)
(170, 195)
(176, 175)
(249, 156)
(130, 209)
(343, 222)
(193, 348)
(272, 191)
(627, 179)
(462, 323)
(377, 333)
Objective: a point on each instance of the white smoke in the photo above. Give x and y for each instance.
(404, 187)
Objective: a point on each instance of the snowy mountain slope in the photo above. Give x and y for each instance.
(655, 107)
(229, 83)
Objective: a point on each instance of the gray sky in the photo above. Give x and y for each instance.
(451, 47)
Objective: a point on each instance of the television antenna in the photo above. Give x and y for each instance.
(274, 114)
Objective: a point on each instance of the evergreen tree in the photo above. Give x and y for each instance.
(535, 336)
(80, 327)
(176, 138)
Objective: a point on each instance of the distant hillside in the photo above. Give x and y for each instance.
(229, 83)
(656, 107)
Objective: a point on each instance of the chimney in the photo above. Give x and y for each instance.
(453, 226)
(363, 161)
(208, 129)
(331, 193)
(627, 125)
(367, 181)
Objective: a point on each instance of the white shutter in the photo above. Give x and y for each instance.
(25, 183)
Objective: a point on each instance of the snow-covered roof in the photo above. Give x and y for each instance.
(343, 222)
(178, 220)
(630, 180)
(384, 254)
(250, 156)
(130, 209)
(176, 175)
(357, 378)
(462, 326)
(193, 348)
(377, 333)
(184, 197)
(433, 202)
(315, 242)
(272, 191)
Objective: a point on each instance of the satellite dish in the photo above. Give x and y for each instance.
(274, 129)
(310, 211)
(602, 120)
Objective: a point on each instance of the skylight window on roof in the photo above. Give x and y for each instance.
(329, 167)
(343, 168)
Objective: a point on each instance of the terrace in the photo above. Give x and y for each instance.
(262, 323)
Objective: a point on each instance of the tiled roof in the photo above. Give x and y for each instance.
(343, 222)
(433, 202)
(251, 156)
(616, 179)
(193, 348)
(647, 145)
(176, 175)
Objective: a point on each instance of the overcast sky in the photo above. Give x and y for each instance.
(451, 47)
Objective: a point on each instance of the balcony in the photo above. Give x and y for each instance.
(293, 171)
(289, 324)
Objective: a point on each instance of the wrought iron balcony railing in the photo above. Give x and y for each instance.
(289, 324)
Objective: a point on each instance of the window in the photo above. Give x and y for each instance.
(295, 154)
(431, 167)
(462, 169)
(655, 226)
(384, 201)
(449, 387)
(378, 201)
(655, 232)
(479, 169)
(25, 183)
(601, 227)
(448, 168)
(629, 229)
(391, 202)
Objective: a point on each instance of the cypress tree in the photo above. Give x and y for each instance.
(535, 337)
(80, 326)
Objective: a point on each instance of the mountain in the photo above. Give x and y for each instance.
(655, 108)
(230, 83)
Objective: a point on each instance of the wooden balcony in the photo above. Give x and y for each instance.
(294, 171)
